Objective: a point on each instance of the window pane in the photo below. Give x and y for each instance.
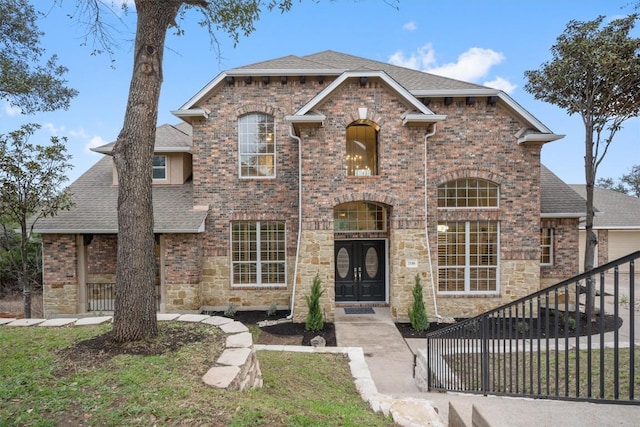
(468, 193)
(468, 256)
(546, 246)
(159, 168)
(256, 145)
(258, 253)
(359, 216)
(362, 150)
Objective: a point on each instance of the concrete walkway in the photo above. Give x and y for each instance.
(390, 359)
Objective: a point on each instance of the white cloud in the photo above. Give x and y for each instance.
(410, 26)
(53, 129)
(11, 110)
(421, 60)
(501, 84)
(94, 142)
(472, 66)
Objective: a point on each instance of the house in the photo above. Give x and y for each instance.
(616, 224)
(361, 172)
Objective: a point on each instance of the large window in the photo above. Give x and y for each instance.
(468, 256)
(257, 146)
(362, 149)
(359, 216)
(546, 246)
(159, 168)
(468, 193)
(258, 253)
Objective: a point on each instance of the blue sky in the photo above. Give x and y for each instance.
(487, 42)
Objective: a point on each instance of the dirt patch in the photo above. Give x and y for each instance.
(284, 333)
(96, 351)
(505, 328)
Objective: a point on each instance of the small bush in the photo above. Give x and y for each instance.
(231, 310)
(315, 322)
(272, 310)
(418, 314)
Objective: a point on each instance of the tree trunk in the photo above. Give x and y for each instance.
(591, 240)
(135, 299)
(25, 283)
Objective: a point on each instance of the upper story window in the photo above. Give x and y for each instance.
(362, 148)
(256, 146)
(159, 168)
(359, 216)
(546, 246)
(468, 193)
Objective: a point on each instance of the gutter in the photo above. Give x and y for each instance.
(426, 223)
(295, 268)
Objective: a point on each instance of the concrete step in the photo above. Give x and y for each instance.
(466, 410)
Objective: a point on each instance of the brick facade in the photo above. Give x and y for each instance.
(478, 139)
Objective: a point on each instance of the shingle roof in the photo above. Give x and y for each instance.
(615, 209)
(96, 201)
(175, 138)
(330, 60)
(558, 199)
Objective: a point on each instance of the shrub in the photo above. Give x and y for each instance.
(231, 310)
(272, 310)
(418, 314)
(315, 322)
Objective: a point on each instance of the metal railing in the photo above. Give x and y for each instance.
(102, 296)
(572, 341)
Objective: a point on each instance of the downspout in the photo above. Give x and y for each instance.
(295, 268)
(426, 227)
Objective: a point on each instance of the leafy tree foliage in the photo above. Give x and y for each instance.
(31, 178)
(628, 183)
(25, 81)
(10, 260)
(595, 72)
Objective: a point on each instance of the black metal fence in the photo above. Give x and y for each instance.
(101, 296)
(574, 340)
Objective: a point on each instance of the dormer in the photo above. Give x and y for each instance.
(172, 157)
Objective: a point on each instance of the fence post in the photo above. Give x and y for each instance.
(484, 356)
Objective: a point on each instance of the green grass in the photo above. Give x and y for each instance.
(38, 387)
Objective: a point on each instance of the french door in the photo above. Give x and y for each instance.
(360, 270)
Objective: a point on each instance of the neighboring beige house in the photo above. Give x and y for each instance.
(364, 173)
(617, 225)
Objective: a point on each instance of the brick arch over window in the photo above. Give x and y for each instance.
(373, 197)
(257, 108)
(487, 175)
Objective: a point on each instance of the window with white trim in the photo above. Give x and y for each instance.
(546, 246)
(362, 148)
(256, 146)
(468, 193)
(468, 256)
(258, 253)
(159, 168)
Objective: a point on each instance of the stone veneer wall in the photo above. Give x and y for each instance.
(60, 280)
(316, 257)
(565, 251)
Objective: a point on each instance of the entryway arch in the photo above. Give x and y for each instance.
(360, 251)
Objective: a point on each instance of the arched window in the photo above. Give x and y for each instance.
(256, 146)
(362, 148)
(468, 193)
(359, 216)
